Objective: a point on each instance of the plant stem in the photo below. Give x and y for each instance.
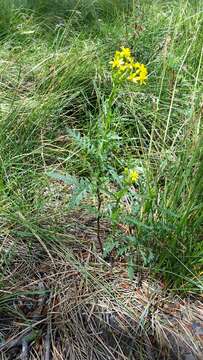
(99, 203)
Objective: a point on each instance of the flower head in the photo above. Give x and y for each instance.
(125, 52)
(125, 67)
(134, 176)
(116, 63)
(118, 54)
(140, 75)
(131, 176)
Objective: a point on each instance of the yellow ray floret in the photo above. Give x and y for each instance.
(131, 175)
(140, 75)
(125, 52)
(117, 63)
(118, 55)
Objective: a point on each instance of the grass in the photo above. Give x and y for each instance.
(54, 76)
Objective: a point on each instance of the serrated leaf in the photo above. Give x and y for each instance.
(108, 247)
(67, 179)
(81, 191)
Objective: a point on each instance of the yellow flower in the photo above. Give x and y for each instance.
(131, 175)
(126, 52)
(142, 78)
(125, 68)
(140, 75)
(118, 55)
(143, 73)
(116, 63)
(136, 66)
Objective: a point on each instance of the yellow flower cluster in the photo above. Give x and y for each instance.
(123, 63)
(131, 176)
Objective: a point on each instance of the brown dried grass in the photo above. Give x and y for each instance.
(83, 308)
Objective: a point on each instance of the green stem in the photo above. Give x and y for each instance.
(109, 103)
(99, 203)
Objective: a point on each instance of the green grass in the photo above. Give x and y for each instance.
(54, 72)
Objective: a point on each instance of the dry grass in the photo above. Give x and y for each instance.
(85, 308)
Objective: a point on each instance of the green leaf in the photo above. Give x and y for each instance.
(67, 179)
(108, 247)
(81, 191)
(131, 271)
